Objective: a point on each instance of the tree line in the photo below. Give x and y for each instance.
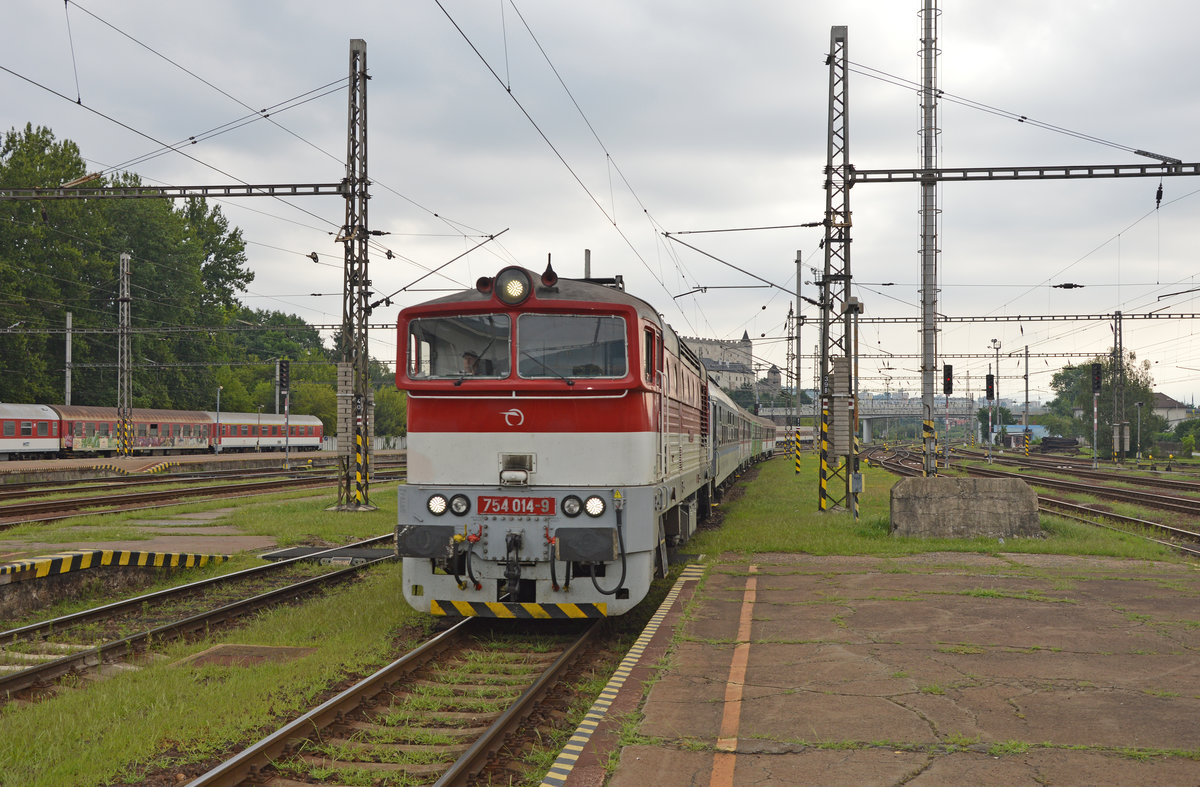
(189, 332)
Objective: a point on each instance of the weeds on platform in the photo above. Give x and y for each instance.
(778, 512)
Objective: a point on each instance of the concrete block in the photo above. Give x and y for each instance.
(964, 508)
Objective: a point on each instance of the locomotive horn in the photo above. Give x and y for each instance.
(549, 278)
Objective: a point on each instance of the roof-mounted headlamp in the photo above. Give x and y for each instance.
(513, 286)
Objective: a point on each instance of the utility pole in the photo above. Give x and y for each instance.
(1025, 418)
(996, 387)
(124, 365)
(1119, 424)
(838, 412)
(67, 359)
(929, 216)
(354, 411)
(797, 370)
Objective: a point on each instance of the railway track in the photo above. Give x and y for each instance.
(1151, 499)
(35, 656)
(436, 715)
(1106, 473)
(1181, 539)
(48, 510)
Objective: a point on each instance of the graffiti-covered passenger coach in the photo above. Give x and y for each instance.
(559, 436)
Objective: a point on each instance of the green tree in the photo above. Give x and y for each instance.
(316, 399)
(1000, 416)
(42, 267)
(63, 256)
(391, 412)
(188, 268)
(1073, 386)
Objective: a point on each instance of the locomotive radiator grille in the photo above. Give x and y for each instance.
(519, 611)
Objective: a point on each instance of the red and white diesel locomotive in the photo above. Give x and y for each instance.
(560, 435)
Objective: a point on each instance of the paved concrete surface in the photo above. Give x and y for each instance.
(185, 533)
(942, 669)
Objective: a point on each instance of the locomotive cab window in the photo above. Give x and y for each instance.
(648, 354)
(464, 345)
(571, 346)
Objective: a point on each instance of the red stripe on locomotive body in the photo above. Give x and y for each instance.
(613, 411)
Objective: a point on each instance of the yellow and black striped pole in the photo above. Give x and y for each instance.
(360, 453)
(823, 502)
(1027, 445)
(928, 434)
(796, 448)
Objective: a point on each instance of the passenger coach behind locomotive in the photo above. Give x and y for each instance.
(558, 434)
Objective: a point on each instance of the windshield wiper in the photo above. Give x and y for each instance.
(542, 364)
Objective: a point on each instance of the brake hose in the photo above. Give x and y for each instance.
(620, 506)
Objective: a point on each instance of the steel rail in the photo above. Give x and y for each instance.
(473, 760)
(1152, 499)
(1054, 507)
(116, 607)
(1047, 505)
(236, 769)
(93, 657)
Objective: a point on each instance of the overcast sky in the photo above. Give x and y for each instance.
(670, 116)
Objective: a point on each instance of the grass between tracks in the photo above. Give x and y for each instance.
(778, 513)
(171, 713)
(293, 517)
(119, 728)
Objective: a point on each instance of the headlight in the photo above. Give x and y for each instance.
(437, 505)
(460, 505)
(594, 506)
(513, 286)
(572, 505)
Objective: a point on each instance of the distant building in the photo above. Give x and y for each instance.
(731, 364)
(1168, 408)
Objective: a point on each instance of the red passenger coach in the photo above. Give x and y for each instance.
(93, 431)
(558, 438)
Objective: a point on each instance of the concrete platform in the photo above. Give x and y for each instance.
(942, 669)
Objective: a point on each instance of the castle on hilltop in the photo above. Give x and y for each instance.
(730, 364)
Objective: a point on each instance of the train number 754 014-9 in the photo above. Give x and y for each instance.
(520, 506)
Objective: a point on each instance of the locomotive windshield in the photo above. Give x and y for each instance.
(475, 345)
(569, 346)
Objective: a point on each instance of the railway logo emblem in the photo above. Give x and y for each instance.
(513, 417)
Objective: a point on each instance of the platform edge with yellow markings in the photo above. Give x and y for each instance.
(80, 560)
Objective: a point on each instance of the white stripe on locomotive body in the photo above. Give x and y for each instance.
(578, 458)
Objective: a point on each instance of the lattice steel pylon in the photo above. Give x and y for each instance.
(355, 463)
(124, 364)
(929, 228)
(838, 402)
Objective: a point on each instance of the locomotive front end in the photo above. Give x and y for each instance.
(531, 452)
